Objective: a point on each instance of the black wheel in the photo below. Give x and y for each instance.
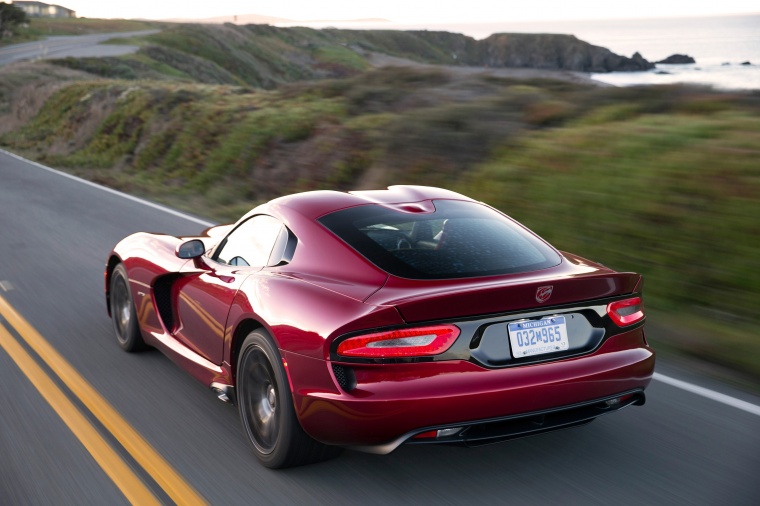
(123, 314)
(266, 408)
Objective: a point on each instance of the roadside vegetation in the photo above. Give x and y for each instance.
(660, 180)
(12, 19)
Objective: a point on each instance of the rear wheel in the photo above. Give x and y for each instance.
(266, 408)
(123, 314)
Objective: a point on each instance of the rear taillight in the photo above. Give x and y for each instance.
(626, 312)
(416, 342)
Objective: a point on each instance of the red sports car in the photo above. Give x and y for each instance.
(371, 319)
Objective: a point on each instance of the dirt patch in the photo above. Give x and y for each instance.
(331, 158)
(25, 87)
(99, 107)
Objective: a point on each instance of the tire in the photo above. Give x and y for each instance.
(123, 314)
(266, 408)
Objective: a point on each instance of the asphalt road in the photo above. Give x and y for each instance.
(79, 46)
(55, 232)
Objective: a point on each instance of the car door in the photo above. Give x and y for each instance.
(209, 284)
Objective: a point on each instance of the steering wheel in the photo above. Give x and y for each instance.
(403, 243)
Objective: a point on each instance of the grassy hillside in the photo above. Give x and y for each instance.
(660, 180)
(424, 126)
(265, 56)
(255, 55)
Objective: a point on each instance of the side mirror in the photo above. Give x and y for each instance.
(190, 249)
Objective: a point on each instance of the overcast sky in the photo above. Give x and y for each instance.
(412, 11)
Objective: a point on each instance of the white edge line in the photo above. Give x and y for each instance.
(709, 394)
(112, 191)
(683, 385)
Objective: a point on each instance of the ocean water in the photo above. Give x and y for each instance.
(719, 45)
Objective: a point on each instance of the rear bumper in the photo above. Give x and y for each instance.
(483, 432)
(391, 403)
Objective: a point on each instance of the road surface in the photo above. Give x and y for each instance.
(682, 447)
(79, 46)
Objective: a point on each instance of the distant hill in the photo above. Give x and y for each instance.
(359, 20)
(242, 19)
(258, 19)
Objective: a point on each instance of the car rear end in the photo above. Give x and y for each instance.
(503, 337)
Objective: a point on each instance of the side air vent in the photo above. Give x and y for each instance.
(162, 292)
(345, 377)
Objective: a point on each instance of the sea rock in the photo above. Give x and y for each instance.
(745, 63)
(662, 73)
(554, 52)
(680, 59)
(639, 60)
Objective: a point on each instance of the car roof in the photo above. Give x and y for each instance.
(315, 204)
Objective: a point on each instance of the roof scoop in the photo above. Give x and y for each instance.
(425, 206)
(401, 194)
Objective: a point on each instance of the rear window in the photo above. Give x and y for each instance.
(458, 240)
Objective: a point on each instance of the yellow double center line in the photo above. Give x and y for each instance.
(110, 461)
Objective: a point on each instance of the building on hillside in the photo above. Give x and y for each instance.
(43, 10)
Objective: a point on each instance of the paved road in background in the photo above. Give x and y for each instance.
(79, 46)
(55, 232)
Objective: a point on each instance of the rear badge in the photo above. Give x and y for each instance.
(543, 293)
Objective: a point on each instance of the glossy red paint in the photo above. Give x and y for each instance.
(203, 297)
(282, 303)
(395, 400)
(423, 300)
(198, 312)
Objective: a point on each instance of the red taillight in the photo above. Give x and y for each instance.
(626, 312)
(416, 342)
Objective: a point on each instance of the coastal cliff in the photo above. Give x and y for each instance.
(546, 51)
(554, 52)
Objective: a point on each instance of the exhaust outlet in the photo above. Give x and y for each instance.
(225, 393)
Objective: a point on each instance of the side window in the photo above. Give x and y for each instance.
(250, 243)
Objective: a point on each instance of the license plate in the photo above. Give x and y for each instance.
(536, 337)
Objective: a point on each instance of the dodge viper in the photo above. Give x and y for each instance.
(371, 319)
